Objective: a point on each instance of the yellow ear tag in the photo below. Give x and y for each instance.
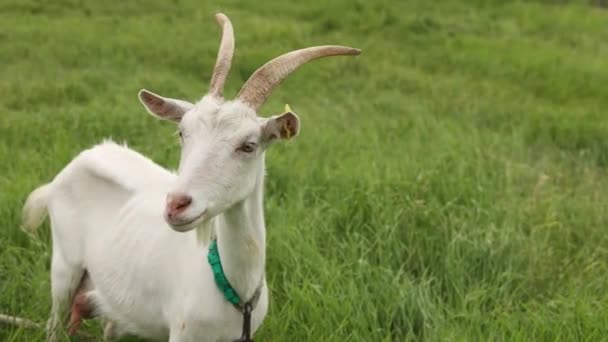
(287, 108)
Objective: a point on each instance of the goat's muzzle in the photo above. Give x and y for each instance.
(177, 203)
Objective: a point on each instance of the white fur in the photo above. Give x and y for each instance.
(106, 211)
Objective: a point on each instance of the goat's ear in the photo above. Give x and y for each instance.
(283, 126)
(162, 107)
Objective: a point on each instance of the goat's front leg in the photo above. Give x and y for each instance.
(189, 332)
(111, 332)
(177, 335)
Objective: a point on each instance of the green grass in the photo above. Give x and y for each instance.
(448, 185)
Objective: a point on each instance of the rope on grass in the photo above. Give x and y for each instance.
(19, 322)
(29, 324)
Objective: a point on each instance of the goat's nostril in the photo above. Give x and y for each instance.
(183, 202)
(176, 203)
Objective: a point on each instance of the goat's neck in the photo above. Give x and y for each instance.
(241, 239)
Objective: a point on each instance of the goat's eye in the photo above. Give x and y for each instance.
(247, 147)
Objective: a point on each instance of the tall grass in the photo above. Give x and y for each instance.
(449, 184)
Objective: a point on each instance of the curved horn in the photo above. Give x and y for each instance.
(224, 56)
(259, 86)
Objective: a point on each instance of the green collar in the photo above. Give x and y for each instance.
(213, 257)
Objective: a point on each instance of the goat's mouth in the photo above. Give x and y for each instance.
(187, 224)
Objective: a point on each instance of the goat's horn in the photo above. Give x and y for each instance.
(258, 87)
(224, 56)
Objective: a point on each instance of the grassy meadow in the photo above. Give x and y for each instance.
(450, 184)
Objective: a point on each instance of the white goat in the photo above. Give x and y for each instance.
(111, 209)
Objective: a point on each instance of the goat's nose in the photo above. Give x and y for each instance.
(176, 203)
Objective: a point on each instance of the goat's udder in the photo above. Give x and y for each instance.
(81, 308)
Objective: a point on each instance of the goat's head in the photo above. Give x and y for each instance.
(223, 142)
